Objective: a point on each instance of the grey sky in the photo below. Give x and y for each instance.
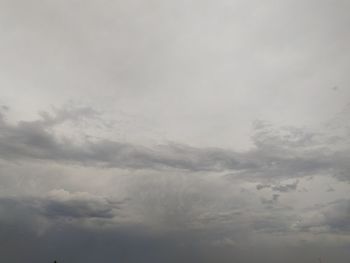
(193, 131)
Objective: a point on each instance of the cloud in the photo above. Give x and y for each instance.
(187, 217)
(330, 217)
(286, 187)
(263, 186)
(180, 71)
(36, 140)
(285, 152)
(280, 187)
(69, 112)
(61, 204)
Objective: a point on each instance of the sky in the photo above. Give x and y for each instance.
(174, 131)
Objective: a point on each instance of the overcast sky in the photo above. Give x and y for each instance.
(174, 131)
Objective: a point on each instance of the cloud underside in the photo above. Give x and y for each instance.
(172, 131)
(285, 152)
(79, 226)
(74, 208)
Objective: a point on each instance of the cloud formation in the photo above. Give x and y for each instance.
(287, 153)
(62, 205)
(334, 217)
(196, 131)
(280, 187)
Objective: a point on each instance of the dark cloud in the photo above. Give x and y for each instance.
(79, 205)
(67, 241)
(286, 187)
(23, 229)
(262, 186)
(63, 205)
(279, 187)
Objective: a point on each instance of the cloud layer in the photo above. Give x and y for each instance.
(289, 152)
(174, 131)
(182, 199)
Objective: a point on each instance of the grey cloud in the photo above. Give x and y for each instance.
(286, 187)
(262, 186)
(275, 197)
(279, 187)
(34, 140)
(4, 107)
(209, 228)
(271, 224)
(62, 205)
(283, 153)
(270, 202)
(77, 205)
(330, 189)
(64, 240)
(193, 72)
(76, 210)
(331, 217)
(74, 243)
(68, 113)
